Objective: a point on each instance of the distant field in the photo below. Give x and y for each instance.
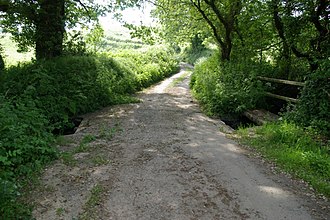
(115, 39)
(11, 56)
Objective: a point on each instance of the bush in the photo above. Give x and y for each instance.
(25, 145)
(67, 86)
(149, 66)
(313, 107)
(227, 89)
(25, 135)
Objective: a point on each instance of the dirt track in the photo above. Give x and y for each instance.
(164, 159)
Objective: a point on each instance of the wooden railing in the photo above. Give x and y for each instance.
(282, 81)
(261, 116)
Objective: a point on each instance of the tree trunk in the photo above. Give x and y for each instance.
(225, 52)
(2, 63)
(50, 29)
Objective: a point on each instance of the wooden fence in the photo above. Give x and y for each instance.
(261, 116)
(282, 81)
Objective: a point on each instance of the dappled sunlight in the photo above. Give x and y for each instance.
(162, 87)
(229, 150)
(273, 192)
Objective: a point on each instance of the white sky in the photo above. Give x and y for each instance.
(130, 15)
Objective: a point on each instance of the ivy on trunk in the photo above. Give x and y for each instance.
(50, 28)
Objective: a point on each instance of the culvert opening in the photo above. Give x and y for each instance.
(71, 128)
(238, 122)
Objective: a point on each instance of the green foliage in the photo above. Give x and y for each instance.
(196, 50)
(149, 66)
(9, 207)
(147, 34)
(24, 135)
(67, 86)
(226, 89)
(314, 104)
(22, 18)
(74, 44)
(294, 150)
(95, 38)
(25, 145)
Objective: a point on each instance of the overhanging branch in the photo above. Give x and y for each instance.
(197, 5)
(85, 8)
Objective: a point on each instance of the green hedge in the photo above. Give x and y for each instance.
(227, 89)
(313, 107)
(25, 145)
(149, 66)
(68, 86)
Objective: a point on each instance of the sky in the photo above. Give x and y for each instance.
(130, 15)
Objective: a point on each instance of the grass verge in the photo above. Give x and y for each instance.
(179, 79)
(295, 150)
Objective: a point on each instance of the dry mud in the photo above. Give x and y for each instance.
(164, 159)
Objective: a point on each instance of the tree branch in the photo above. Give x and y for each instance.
(206, 18)
(322, 30)
(216, 11)
(85, 8)
(280, 29)
(315, 18)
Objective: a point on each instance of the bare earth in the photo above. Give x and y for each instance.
(164, 159)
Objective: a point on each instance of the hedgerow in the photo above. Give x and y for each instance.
(226, 89)
(313, 107)
(149, 66)
(25, 145)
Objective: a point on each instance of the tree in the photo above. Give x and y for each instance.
(219, 16)
(41, 23)
(95, 36)
(179, 21)
(303, 27)
(50, 28)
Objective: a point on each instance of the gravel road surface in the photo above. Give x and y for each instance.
(163, 158)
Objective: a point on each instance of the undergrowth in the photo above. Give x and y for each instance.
(149, 66)
(226, 89)
(313, 107)
(196, 50)
(295, 150)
